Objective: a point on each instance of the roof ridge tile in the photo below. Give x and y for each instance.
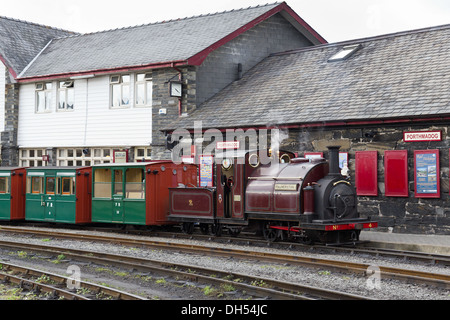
(37, 24)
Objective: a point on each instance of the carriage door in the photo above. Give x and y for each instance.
(50, 198)
(5, 196)
(118, 212)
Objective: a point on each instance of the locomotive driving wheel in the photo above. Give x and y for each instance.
(270, 234)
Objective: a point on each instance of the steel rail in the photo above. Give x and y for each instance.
(271, 288)
(22, 276)
(434, 279)
(435, 259)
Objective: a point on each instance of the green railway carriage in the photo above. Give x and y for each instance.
(58, 194)
(137, 193)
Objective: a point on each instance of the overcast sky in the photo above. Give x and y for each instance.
(334, 20)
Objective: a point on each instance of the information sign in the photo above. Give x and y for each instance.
(426, 173)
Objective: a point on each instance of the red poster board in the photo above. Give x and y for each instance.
(426, 174)
(396, 173)
(366, 170)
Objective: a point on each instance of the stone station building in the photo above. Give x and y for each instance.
(367, 96)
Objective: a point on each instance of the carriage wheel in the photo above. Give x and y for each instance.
(216, 229)
(188, 227)
(234, 232)
(204, 228)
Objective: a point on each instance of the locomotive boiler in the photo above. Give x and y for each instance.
(296, 198)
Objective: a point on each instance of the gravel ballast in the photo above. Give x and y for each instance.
(367, 286)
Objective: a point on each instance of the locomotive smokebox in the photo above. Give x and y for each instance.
(333, 153)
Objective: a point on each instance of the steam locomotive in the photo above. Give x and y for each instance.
(302, 199)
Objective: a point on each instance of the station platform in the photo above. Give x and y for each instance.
(436, 244)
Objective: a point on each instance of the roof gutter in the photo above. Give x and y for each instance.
(325, 124)
(158, 65)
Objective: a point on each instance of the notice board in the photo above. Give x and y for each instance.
(396, 173)
(426, 174)
(206, 171)
(366, 173)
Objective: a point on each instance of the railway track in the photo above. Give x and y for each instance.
(363, 249)
(57, 287)
(411, 276)
(257, 286)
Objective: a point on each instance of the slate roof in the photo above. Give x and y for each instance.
(21, 41)
(167, 41)
(398, 75)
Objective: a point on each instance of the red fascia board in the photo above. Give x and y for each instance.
(10, 69)
(304, 23)
(329, 124)
(198, 59)
(158, 65)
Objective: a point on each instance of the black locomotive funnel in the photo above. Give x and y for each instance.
(333, 154)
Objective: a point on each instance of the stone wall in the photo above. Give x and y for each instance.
(218, 70)
(162, 100)
(10, 150)
(408, 214)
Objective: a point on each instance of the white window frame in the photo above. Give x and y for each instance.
(31, 157)
(144, 79)
(345, 52)
(45, 89)
(116, 82)
(84, 156)
(64, 88)
(142, 153)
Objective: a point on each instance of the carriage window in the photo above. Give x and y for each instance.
(68, 185)
(102, 183)
(118, 182)
(4, 184)
(134, 186)
(50, 185)
(35, 185)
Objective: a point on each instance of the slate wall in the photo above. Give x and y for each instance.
(9, 147)
(405, 214)
(218, 70)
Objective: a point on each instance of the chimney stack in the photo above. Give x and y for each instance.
(333, 153)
